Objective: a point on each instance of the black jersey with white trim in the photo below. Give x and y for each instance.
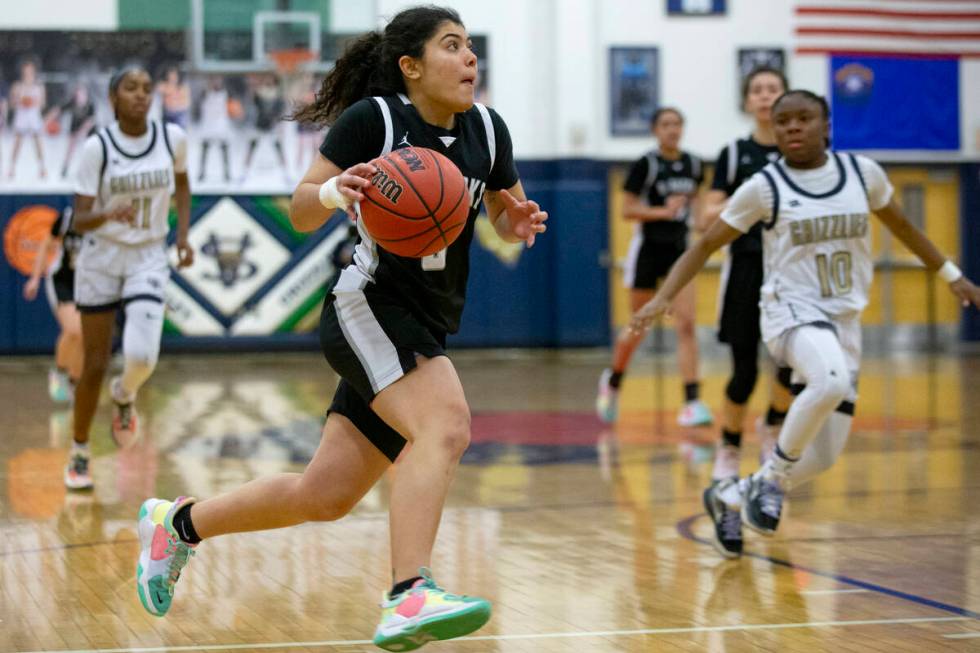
(433, 288)
(653, 178)
(738, 161)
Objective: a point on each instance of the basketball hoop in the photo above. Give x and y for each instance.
(288, 61)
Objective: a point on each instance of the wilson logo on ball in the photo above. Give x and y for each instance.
(386, 186)
(417, 203)
(410, 157)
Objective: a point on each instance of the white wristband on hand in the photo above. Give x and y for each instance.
(949, 272)
(331, 197)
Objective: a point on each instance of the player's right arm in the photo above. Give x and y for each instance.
(338, 175)
(634, 208)
(324, 188)
(88, 176)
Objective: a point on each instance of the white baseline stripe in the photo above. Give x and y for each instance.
(963, 636)
(529, 636)
(819, 592)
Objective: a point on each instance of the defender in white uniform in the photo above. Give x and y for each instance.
(125, 178)
(814, 205)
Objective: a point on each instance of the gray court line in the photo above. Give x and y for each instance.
(532, 636)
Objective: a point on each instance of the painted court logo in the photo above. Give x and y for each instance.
(229, 253)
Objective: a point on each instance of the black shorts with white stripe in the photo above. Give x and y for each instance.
(371, 341)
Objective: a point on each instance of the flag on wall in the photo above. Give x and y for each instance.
(895, 103)
(924, 28)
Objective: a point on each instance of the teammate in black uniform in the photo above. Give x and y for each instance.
(739, 293)
(59, 281)
(384, 323)
(660, 192)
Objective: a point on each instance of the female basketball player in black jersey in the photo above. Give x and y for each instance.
(383, 328)
(59, 280)
(658, 197)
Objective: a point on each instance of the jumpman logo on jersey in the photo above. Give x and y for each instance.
(404, 141)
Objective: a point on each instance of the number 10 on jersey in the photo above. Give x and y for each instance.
(834, 273)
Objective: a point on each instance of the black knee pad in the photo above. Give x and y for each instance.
(745, 371)
(784, 376)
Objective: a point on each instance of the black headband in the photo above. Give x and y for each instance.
(117, 78)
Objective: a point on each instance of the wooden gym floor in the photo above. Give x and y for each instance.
(585, 538)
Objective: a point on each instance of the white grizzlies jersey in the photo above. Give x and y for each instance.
(118, 170)
(816, 237)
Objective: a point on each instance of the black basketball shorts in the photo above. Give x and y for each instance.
(371, 341)
(740, 285)
(649, 261)
(60, 287)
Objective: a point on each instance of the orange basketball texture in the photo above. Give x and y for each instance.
(417, 203)
(24, 233)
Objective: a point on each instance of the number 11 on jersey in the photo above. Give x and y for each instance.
(141, 206)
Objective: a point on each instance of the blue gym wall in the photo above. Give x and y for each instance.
(556, 295)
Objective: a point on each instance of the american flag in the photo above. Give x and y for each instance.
(907, 28)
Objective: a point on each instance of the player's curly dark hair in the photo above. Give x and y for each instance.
(369, 65)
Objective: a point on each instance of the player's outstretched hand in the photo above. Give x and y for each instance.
(648, 313)
(525, 216)
(966, 291)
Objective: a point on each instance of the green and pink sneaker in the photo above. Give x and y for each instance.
(162, 553)
(426, 613)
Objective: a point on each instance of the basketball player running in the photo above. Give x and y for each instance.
(739, 297)
(383, 328)
(813, 205)
(658, 196)
(126, 175)
(59, 284)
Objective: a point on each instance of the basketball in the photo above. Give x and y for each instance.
(235, 109)
(417, 202)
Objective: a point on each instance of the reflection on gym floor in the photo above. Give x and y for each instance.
(586, 538)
